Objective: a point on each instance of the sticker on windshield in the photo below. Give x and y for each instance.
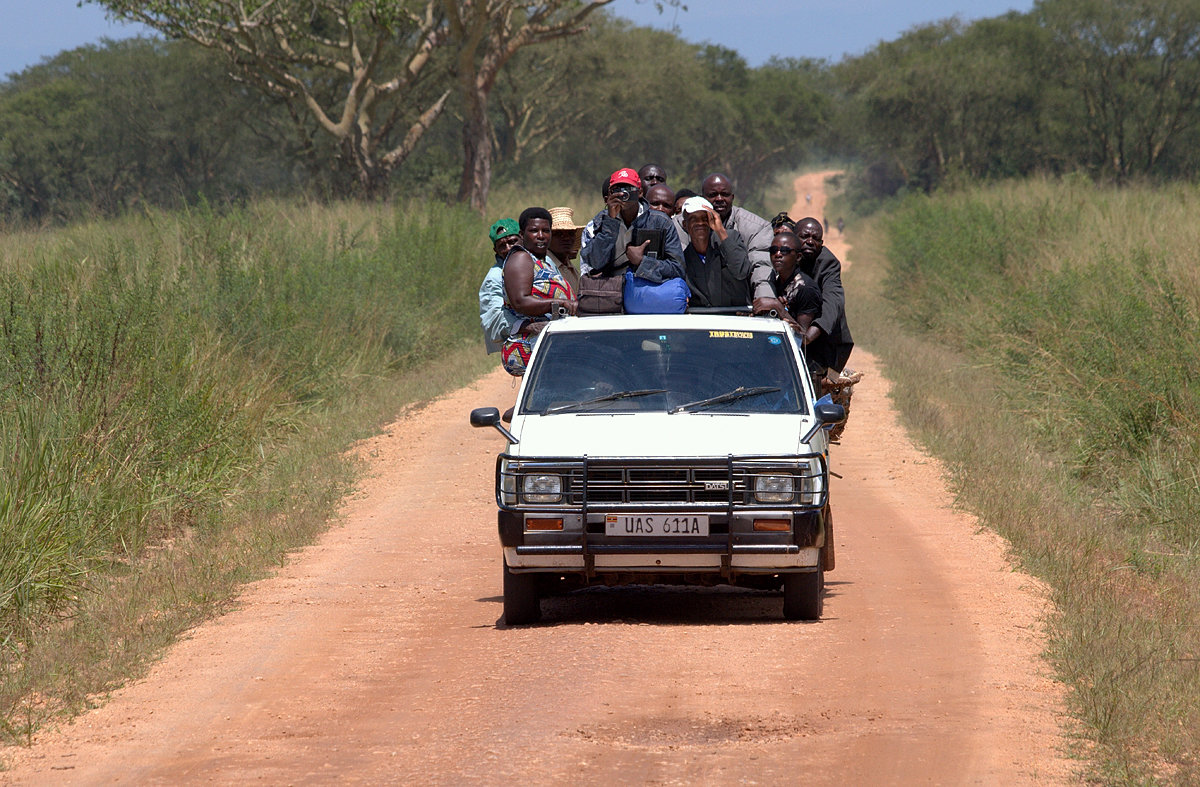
(774, 340)
(730, 335)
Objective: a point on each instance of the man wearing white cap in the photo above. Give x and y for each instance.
(718, 269)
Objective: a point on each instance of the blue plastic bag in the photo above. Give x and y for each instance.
(645, 297)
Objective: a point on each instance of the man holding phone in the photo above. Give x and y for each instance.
(608, 247)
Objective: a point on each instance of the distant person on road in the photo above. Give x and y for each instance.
(533, 288)
(607, 240)
(841, 226)
(756, 233)
(497, 323)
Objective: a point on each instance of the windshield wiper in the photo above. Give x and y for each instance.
(612, 397)
(731, 396)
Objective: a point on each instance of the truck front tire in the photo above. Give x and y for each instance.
(521, 602)
(803, 595)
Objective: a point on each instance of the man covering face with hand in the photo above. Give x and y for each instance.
(755, 231)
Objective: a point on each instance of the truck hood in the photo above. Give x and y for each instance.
(658, 435)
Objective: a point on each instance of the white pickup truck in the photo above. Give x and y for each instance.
(664, 449)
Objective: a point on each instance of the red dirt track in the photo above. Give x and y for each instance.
(366, 659)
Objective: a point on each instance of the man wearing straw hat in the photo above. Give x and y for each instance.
(565, 237)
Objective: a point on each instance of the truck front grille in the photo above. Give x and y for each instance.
(657, 485)
(636, 484)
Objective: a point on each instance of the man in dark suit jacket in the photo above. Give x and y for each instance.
(828, 339)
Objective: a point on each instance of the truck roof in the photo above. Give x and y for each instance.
(626, 322)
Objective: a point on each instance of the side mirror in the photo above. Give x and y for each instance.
(829, 413)
(490, 416)
(485, 416)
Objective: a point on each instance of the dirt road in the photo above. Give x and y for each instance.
(376, 655)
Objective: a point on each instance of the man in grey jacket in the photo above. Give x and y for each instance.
(755, 231)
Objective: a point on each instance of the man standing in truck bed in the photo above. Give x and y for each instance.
(754, 230)
(606, 241)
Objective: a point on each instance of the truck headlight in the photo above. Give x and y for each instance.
(774, 488)
(811, 484)
(542, 488)
(508, 486)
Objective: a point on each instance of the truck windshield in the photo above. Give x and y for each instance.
(662, 371)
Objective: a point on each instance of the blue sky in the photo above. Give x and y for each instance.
(33, 29)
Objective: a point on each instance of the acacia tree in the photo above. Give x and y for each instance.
(372, 53)
(486, 35)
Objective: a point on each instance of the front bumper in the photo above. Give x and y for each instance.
(745, 534)
(732, 547)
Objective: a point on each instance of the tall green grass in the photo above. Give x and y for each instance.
(1051, 353)
(176, 391)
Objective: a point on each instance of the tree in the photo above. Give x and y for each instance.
(1136, 67)
(354, 66)
(946, 99)
(99, 129)
(486, 35)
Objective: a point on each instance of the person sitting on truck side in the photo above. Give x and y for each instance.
(715, 263)
(565, 237)
(534, 289)
(606, 239)
(782, 223)
(799, 292)
(756, 233)
(828, 337)
(496, 322)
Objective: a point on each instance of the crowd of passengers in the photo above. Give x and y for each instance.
(725, 255)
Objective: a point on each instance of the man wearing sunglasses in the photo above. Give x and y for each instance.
(607, 240)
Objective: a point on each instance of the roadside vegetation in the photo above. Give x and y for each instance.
(177, 392)
(194, 324)
(1048, 352)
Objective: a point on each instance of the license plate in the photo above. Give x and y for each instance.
(668, 525)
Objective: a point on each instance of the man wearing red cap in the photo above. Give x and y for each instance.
(607, 238)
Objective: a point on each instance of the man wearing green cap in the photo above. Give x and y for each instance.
(497, 324)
